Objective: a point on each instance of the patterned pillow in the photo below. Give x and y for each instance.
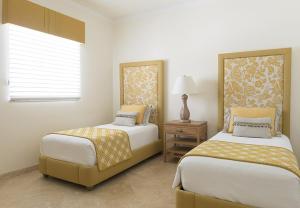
(226, 121)
(252, 127)
(147, 115)
(256, 112)
(125, 118)
(140, 109)
(278, 123)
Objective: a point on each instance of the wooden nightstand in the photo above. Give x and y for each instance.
(179, 138)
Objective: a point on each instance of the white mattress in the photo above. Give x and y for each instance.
(82, 151)
(247, 183)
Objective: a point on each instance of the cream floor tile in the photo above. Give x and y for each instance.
(143, 186)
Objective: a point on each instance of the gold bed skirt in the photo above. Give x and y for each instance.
(186, 199)
(89, 175)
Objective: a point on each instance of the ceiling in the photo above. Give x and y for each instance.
(119, 8)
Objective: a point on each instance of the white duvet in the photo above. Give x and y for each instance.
(82, 151)
(247, 183)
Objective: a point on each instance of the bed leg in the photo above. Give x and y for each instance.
(89, 188)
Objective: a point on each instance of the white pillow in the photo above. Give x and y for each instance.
(125, 118)
(252, 127)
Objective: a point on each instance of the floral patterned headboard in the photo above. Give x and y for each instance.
(255, 79)
(142, 83)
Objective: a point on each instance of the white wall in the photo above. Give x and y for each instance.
(23, 124)
(190, 35)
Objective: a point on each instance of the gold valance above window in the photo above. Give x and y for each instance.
(30, 15)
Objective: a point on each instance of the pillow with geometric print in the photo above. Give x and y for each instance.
(148, 111)
(139, 109)
(252, 127)
(125, 119)
(255, 112)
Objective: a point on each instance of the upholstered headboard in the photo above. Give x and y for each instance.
(142, 83)
(255, 79)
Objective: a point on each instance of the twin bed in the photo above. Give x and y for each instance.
(210, 182)
(82, 151)
(258, 79)
(74, 159)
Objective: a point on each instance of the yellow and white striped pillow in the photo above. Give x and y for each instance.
(253, 113)
(139, 109)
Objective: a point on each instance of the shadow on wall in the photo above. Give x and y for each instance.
(3, 64)
(166, 82)
(295, 101)
(204, 105)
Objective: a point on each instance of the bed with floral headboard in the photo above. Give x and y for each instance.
(142, 83)
(250, 80)
(255, 79)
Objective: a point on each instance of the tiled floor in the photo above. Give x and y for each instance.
(145, 185)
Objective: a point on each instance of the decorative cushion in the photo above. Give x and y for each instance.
(252, 127)
(140, 109)
(278, 123)
(252, 113)
(125, 119)
(226, 121)
(147, 115)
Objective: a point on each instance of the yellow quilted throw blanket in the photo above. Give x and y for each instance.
(260, 154)
(112, 146)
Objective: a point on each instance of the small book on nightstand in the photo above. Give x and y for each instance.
(179, 137)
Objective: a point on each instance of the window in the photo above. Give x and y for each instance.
(42, 66)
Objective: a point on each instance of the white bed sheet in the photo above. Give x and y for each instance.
(247, 183)
(82, 151)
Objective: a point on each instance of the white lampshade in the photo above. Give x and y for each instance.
(184, 85)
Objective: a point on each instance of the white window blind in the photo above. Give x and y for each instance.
(42, 66)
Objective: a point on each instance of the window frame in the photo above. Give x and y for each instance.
(6, 50)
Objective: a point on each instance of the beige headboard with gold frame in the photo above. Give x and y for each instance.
(142, 83)
(255, 79)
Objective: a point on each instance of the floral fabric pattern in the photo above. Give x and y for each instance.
(141, 87)
(253, 82)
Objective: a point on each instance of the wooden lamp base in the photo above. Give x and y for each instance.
(184, 112)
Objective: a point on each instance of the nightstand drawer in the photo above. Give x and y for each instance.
(191, 131)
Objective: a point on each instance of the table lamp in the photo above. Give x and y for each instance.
(184, 85)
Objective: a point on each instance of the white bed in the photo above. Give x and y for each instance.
(247, 183)
(82, 151)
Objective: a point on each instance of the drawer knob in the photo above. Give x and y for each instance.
(179, 130)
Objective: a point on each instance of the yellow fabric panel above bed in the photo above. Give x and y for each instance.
(142, 83)
(254, 82)
(252, 113)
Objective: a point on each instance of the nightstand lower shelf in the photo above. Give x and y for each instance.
(176, 155)
(180, 138)
(189, 142)
(179, 150)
